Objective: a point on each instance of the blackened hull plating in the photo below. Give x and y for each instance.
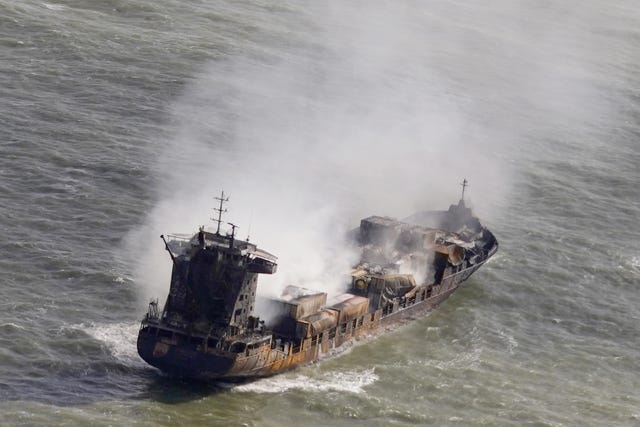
(182, 358)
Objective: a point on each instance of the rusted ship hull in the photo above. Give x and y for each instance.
(192, 356)
(210, 327)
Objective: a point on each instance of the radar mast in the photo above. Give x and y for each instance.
(220, 211)
(464, 185)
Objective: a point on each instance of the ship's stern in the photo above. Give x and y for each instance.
(179, 355)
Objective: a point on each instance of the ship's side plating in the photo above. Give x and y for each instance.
(208, 330)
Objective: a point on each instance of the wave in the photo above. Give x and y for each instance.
(119, 339)
(348, 381)
(634, 263)
(56, 7)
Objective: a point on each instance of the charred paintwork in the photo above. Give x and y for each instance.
(208, 330)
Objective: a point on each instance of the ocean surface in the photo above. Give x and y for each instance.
(122, 119)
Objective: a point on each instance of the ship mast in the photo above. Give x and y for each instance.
(464, 185)
(233, 233)
(220, 211)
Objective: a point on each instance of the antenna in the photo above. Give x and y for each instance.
(464, 184)
(220, 211)
(233, 233)
(233, 229)
(249, 229)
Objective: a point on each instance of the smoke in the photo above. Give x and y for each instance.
(353, 118)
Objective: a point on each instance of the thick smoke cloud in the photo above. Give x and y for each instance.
(354, 119)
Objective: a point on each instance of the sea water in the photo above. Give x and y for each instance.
(121, 120)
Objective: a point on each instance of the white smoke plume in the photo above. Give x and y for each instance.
(355, 119)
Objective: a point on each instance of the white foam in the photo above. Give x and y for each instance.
(470, 359)
(11, 325)
(54, 6)
(349, 381)
(512, 343)
(119, 338)
(630, 265)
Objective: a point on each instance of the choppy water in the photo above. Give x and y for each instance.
(118, 117)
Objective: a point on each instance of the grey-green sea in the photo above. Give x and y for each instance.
(121, 120)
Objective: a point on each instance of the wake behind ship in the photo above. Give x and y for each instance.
(208, 329)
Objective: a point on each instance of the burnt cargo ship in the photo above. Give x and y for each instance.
(209, 329)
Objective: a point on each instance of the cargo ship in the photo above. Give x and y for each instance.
(209, 328)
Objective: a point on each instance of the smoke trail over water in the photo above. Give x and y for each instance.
(355, 120)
